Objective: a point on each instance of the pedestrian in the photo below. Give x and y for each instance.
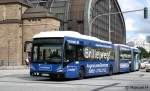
(27, 61)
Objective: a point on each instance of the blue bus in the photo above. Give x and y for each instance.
(123, 58)
(70, 54)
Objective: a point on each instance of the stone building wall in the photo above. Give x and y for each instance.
(35, 26)
(15, 31)
(10, 44)
(11, 11)
(32, 27)
(11, 33)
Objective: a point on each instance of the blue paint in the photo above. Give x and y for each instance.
(37, 67)
(125, 66)
(89, 43)
(92, 68)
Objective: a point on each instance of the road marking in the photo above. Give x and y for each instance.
(141, 75)
(107, 86)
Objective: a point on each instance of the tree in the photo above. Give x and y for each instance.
(144, 53)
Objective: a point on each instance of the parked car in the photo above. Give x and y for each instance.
(143, 64)
(147, 66)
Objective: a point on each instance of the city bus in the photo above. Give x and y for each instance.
(68, 54)
(123, 58)
(135, 64)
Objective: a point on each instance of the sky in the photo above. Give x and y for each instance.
(136, 26)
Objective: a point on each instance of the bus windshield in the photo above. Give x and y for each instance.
(47, 53)
(47, 50)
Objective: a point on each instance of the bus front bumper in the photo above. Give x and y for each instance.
(57, 75)
(50, 74)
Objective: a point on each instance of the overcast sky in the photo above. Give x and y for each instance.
(136, 25)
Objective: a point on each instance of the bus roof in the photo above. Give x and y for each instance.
(135, 49)
(122, 45)
(72, 34)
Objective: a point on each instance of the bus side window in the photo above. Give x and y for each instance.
(70, 52)
(80, 55)
(35, 53)
(112, 55)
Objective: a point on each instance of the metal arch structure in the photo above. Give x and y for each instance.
(36, 3)
(90, 6)
(117, 5)
(53, 6)
(78, 19)
(31, 2)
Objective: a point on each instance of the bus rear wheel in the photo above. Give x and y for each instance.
(81, 73)
(129, 68)
(110, 70)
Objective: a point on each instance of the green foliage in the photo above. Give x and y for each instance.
(144, 53)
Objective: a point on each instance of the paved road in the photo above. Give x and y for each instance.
(19, 80)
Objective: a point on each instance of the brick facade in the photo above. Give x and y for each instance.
(15, 31)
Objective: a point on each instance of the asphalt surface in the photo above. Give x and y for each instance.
(19, 80)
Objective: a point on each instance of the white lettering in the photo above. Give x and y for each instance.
(97, 68)
(124, 65)
(71, 68)
(96, 65)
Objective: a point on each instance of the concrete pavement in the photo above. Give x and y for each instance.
(19, 80)
(13, 67)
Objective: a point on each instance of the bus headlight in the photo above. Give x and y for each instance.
(59, 69)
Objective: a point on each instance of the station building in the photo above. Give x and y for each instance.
(21, 19)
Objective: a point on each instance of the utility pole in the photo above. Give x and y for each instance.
(109, 20)
(114, 13)
(8, 50)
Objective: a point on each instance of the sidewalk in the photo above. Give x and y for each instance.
(14, 67)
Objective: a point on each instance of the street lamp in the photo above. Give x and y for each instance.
(114, 13)
(109, 20)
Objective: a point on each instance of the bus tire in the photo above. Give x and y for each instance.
(129, 68)
(110, 70)
(81, 73)
(52, 77)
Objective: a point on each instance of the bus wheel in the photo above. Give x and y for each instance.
(81, 73)
(53, 77)
(130, 68)
(40, 74)
(110, 70)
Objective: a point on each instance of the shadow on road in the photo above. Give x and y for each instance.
(47, 78)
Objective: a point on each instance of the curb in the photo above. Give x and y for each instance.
(13, 67)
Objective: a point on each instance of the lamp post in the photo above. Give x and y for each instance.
(8, 51)
(109, 21)
(114, 13)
